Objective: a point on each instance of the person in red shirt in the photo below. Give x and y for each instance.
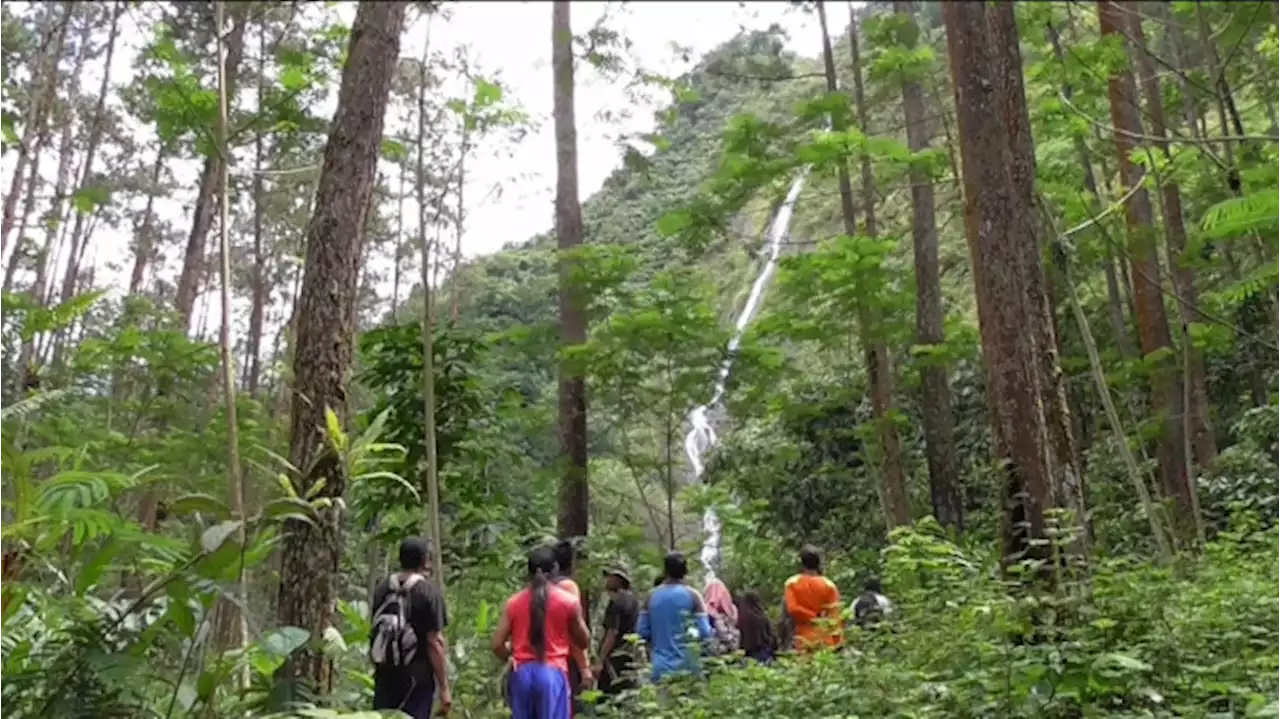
(813, 601)
(542, 627)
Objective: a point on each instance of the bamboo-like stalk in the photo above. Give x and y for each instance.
(428, 341)
(1108, 405)
(233, 629)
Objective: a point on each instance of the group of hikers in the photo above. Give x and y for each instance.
(544, 640)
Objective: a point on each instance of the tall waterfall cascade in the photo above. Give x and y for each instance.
(701, 438)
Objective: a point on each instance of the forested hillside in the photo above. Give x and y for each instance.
(1018, 359)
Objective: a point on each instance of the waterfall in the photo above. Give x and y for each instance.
(702, 436)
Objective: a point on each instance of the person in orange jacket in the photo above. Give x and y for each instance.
(813, 602)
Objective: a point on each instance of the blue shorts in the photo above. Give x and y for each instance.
(539, 691)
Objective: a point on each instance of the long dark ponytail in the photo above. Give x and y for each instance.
(541, 565)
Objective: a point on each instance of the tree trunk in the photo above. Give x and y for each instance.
(207, 197)
(28, 208)
(574, 493)
(312, 553)
(1174, 40)
(34, 133)
(96, 127)
(1066, 479)
(233, 632)
(1153, 325)
(1175, 235)
(1006, 321)
(1115, 312)
(144, 244)
(259, 306)
(53, 220)
(399, 259)
(428, 338)
(939, 427)
(461, 221)
(879, 364)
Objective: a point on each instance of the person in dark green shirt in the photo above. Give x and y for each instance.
(615, 668)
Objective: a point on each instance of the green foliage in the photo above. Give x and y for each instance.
(1241, 215)
(1135, 642)
(477, 422)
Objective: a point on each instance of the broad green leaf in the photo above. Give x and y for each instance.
(202, 503)
(394, 150)
(214, 537)
(293, 79)
(92, 571)
(334, 427)
(284, 641)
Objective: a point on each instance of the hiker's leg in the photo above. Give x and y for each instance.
(554, 697)
(522, 692)
(419, 702)
(389, 690)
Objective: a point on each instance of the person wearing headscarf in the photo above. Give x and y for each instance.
(758, 639)
(723, 614)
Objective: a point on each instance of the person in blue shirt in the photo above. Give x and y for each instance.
(674, 622)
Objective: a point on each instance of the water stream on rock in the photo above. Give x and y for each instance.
(702, 436)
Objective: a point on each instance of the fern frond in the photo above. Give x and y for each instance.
(24, 408)
(1240, 215)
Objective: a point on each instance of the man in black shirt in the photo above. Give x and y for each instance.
(411, 688)
(616, 669)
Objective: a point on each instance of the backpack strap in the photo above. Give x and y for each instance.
(402, 583)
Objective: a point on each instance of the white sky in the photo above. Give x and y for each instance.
(512, 41)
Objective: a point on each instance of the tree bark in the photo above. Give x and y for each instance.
(259, 306)
(233, 631)
(574, 492)
(1066, 478)
(879, 364)
(96, 127)
(312, 553)
(428, 338)
(206, 199)
(1153, 324)
(53, 220)
(34, 134)
(939, 424)
(399, 251)
(1175, 236)
(144, 244)
(15, 259)
(1006, 321)
(1115, 312)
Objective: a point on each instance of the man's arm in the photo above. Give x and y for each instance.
(798, 611)
(581, 637)
(610, 636)
(438, 648)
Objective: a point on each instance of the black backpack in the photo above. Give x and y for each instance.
(867, 611)
(394, 642)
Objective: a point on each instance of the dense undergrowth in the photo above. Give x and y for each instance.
(119, 548)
